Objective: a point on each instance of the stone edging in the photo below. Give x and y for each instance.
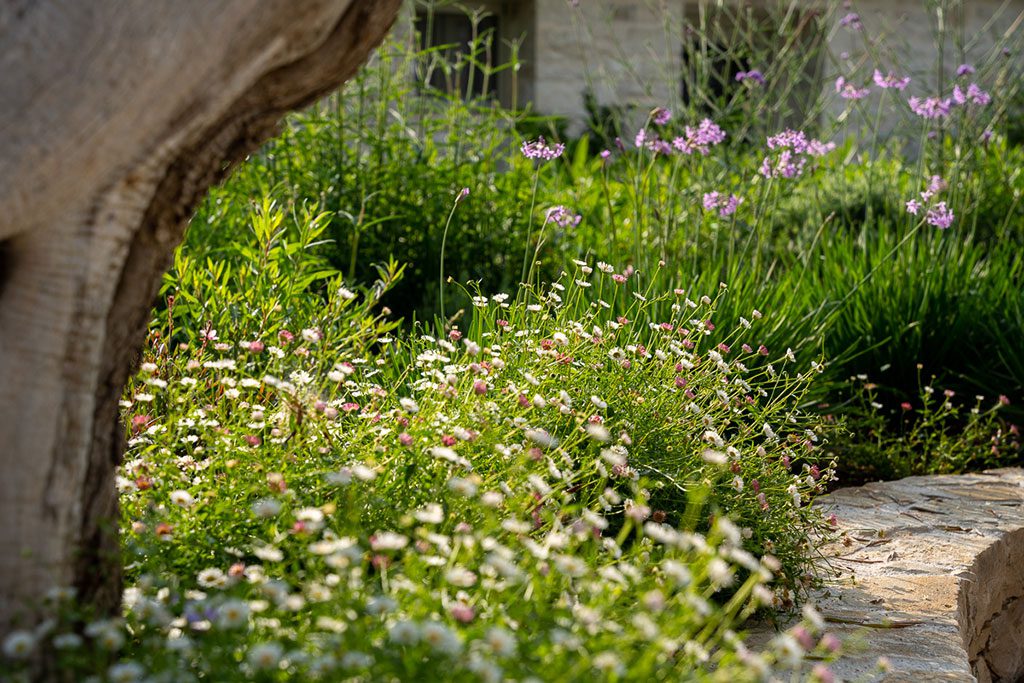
(930, 574)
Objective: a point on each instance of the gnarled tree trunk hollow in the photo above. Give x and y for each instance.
(114, 119)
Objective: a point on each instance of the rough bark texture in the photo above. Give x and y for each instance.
(114, 119)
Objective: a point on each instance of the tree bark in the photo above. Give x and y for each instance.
(115, 118)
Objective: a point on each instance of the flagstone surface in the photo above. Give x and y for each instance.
(929, 573)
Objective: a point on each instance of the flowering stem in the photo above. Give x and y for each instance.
(444, 239)
(608, 201)
(536, 252)
(529, 223)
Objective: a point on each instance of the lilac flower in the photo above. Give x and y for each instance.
(752, 75)
(659, 146)
(978, 96)
(799, 143)
(913, 207)
(653, 143)
(539, 149)
(940, 216)
(964, 70)
(707, 134)
(463, 193)
(562, 217)
(848, 91)
(931, 107)
(767, 170)
(787, 165)
(817, 148)
(974, 95)
(700, 139)
(725, 205)
(793, 139)
(852, 20)
(890, 80)
(935, 185)
(605, 154)
(794, 148)
(661, 116)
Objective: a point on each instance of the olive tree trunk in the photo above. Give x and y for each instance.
(115, 117)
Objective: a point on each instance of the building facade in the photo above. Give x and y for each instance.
(633, 55)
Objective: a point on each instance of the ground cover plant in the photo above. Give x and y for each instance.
(434, 390)
(337, 501)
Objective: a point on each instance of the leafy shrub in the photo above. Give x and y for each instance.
(384, 160)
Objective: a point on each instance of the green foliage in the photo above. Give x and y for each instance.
(385, 161)
(251, 286)
(936, 432)
(338, 500)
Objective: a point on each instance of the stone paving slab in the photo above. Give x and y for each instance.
(929, 572)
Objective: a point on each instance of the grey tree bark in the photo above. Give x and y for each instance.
(114, 119)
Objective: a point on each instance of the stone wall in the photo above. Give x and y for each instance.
(924, 580)
(626, 52)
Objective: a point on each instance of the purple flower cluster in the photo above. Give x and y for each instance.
(938, 108)
(655, 144)
(794, 148)
(700, 139)
(939, 215)
(799, 142)
(890, 80)
(562, 217)
(539, 149)
(852, 20)
(936, 184)
(931, 107)
(661, 116)
(725, 205)
(974, 95)
(848, 91)
(753, 75)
